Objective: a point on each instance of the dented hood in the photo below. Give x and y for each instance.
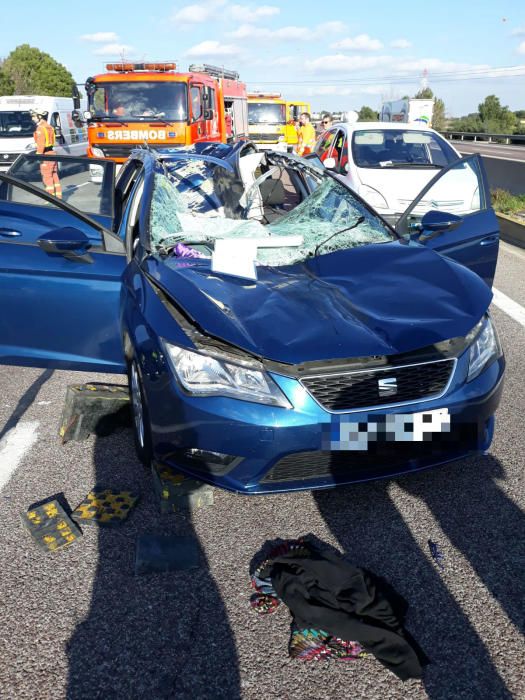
(373, 300)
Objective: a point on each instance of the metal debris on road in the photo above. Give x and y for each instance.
(50, 526)
(93, 408)
(436, 553)
(175, 491)
(163, 553)
(105, 506)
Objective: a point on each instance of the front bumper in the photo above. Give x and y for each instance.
(274, 449)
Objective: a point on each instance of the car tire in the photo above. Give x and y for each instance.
(139, 412)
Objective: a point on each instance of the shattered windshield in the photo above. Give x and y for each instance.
(196, 203)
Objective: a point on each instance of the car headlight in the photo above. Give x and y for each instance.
(97, 152)
(373, 197)
(484, 349)
(202, 375)
(282, 137)
(31, 147)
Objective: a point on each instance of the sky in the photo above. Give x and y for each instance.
(337, 56)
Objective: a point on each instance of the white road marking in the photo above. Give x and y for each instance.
(509, 306)
(491, 155)
(13, 446)
(76, 187)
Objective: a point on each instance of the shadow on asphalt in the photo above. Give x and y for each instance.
(25, 401)
(481, 522)
(485, 526)
(150, 636)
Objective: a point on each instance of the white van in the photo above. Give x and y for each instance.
(17, 127)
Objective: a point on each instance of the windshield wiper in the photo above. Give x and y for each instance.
(110, 120)
(348, 228)
(390, 164)
(150, 118)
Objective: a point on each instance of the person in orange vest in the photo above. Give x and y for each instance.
(306, 135)
(45, 141)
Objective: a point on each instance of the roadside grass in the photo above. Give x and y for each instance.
(506, 203)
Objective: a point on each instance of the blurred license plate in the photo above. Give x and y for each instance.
(346, 433)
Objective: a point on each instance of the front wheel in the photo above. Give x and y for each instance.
(141, 427)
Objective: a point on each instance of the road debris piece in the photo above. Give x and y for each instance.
(93, 408)
(436, 553)
(50, 527)
(161, 553)
(175, 491)
(105, 506)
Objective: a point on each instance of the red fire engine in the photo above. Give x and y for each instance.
(137, 103)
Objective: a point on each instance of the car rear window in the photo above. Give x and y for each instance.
(378, 148)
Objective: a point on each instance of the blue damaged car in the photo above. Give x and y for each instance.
(277, 333)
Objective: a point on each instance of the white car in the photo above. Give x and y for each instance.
(387, 164)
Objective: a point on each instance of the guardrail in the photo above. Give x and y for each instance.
(496, 138)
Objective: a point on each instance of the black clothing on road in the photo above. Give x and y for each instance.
(323, 591)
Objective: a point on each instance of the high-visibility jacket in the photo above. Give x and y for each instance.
(307, 138)
(44, 137)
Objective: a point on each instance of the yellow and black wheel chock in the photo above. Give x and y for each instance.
(104, 506)
(50, 527)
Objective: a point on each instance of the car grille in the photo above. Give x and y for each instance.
(351, 390)
(117, 150)
(264, 137)
(380, 460)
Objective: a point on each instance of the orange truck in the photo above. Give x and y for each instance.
(137, 103)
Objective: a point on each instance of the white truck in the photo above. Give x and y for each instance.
(408, 111)
(17, 127)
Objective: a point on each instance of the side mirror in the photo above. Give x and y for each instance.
(76, 97)
(58, 133)
(330, 163)
(208, 114)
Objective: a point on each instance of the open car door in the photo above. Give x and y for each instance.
(60, 265)
(453, 215)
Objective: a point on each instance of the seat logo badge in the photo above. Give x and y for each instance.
(387, 386)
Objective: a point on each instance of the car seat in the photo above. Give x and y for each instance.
(272, 192)
(251, 199)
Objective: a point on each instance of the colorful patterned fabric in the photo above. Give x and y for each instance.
(315, 645)
(306, 644)
(265, 600)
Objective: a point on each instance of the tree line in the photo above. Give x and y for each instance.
(491, 118)
(29, 71)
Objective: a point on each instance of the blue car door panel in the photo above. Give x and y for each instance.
(468, 232)
(59, 283)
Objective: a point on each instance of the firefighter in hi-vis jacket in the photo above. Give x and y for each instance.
(45, 140)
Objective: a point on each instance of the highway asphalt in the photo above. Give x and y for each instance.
(79, 624)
